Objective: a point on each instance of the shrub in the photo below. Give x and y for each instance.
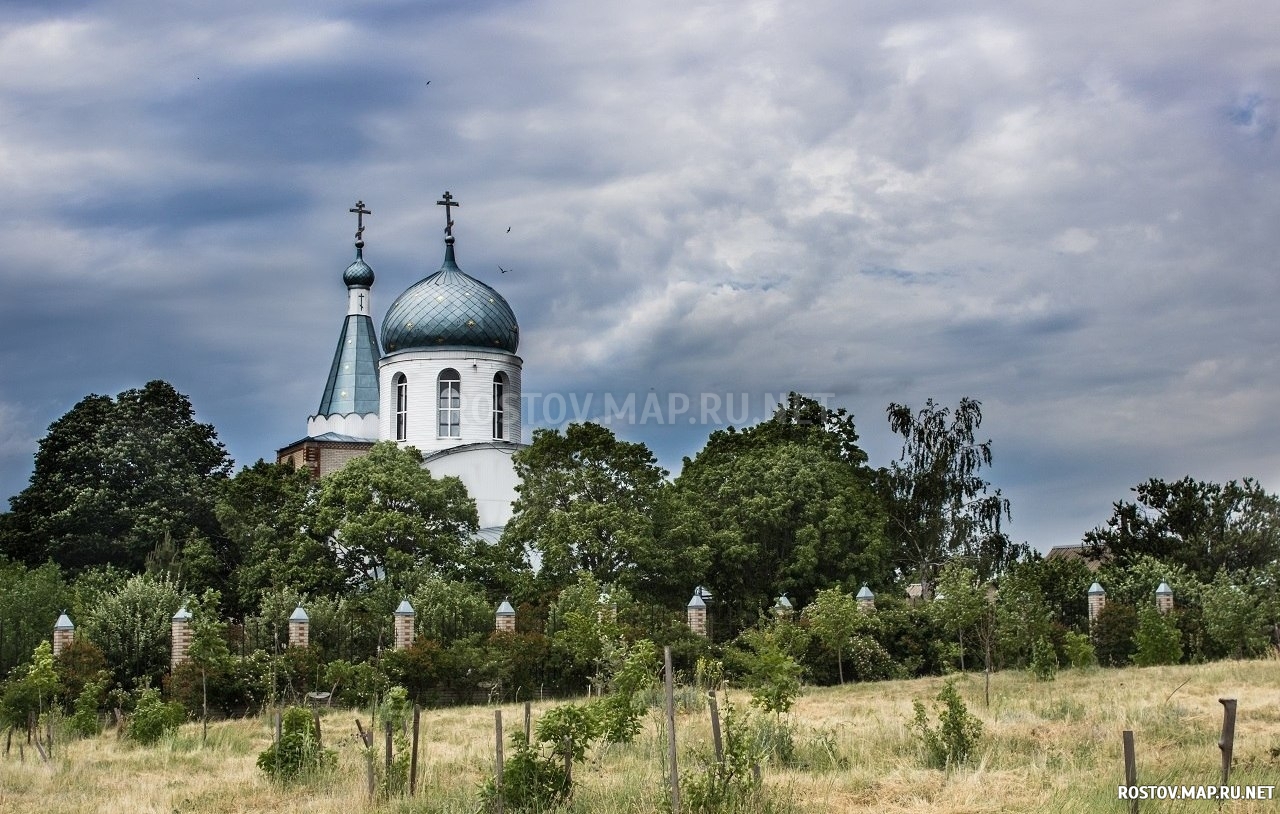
(569, 729)
(1157, 638)
(531, 783)
(730, 785)
(1079, 650)
(957, 734)
(299, 753)
(153, 718)
(84, 720)
(1044, 661)
(1113, 633)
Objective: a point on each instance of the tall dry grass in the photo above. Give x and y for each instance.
(1051, 746)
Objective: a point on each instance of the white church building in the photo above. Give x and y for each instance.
(445, 379)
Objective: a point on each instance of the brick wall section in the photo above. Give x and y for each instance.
(181, 629)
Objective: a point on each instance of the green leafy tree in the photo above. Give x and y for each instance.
(784, 506)
(447, 610)
(940, 506)
(1156, 640)
(586, 503)
(269, 544)
(1233, 620)
(112, 477)
(1203, 527)
(387, 515)
(30, 601)
(208, 649)
(31, 690)
(1113, 634)
(834, 617)
(132, 625)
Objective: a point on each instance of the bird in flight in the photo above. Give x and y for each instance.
(428, 83)
(504, 271)
(508, 230)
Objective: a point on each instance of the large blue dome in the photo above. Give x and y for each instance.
(450, 308)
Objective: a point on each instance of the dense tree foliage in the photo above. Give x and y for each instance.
(1204, 527)
(786, 506)
(386, 515)
(113, 478)
(586, 503)
(269, 543)
(940, 507)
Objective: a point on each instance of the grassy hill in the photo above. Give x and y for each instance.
(1053, 746)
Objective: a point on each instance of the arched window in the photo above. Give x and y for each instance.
(449, 410)
(401, 386)
(499, 414)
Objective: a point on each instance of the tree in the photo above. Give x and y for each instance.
(268, 543)
(1233, 620)
(586, 502)
(113, 477)
(963, 607)
(131, 625)
(30, 601)
(784, 506)
(834, 617)
(1156, 640)
(940, 506)
(386, 515)
(1204, 527)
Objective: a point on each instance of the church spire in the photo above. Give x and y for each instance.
(349, 405)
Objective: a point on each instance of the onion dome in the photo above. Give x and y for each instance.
(450, 308)
(358, 274)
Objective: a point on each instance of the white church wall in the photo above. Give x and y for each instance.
(488, 475)
(476, 369)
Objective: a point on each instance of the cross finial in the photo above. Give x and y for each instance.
(360, 212)
(448, 203)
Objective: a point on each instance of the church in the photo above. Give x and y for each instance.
(445, 379)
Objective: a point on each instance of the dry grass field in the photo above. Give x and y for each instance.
(1052, 746)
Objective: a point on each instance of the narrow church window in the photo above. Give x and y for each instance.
(450, 407)
(402, 406)
(499, 422)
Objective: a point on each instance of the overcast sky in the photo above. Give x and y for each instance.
(1067, 211)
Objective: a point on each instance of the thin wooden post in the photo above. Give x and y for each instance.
(497, 764)
(388, 775)
(279, 727)
(528, 721)
(315, 717)
(413, 756)
(1130, 768)
(715, 727)
(1227, 742)
(567, 747)
(367, 739)
(48, 730)
(671, 729)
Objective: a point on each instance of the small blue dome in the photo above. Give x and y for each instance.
(450, 308)
(358, 273)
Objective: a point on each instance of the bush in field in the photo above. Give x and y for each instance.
(298, 754)
(84, 720)
(955, 738)
(729, 785)
(531, 782)
(152, 718)
(1044, 660)
(1113, 634)
(1157, 638)
(1079, 650)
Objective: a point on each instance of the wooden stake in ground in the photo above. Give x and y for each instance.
(1228, 740)
(315, 717)
(671, 730)
(497, 763)
(413, 756)
(1130, 768)
(388, 775)
(715, 727)
(528, 720)
(367, 739)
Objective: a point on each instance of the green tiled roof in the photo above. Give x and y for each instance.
(353, 378)
(450, 308)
